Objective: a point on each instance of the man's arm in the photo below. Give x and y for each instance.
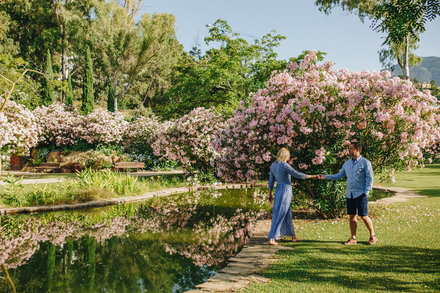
(368, 178)
(337, 176)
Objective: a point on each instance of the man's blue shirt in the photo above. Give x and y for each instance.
(359, 175)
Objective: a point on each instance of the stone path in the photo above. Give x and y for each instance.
(401, 195)
(243, 268)
(37, 181)
(120, 200)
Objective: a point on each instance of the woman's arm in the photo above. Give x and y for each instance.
(271, 184)
(295, 173)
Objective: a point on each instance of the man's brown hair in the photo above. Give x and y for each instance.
(357, 145)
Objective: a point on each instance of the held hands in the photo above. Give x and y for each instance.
(320, 176)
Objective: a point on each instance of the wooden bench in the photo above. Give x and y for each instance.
(49, 166)
(128, 165)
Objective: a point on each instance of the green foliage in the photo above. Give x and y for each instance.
(88, 98)
(69, 93)
(225, 75)
(435, 89)
(34, 28)
(11, 67)
(328, 197)
(47, 90)
(111, 106)
(137, 54)
(401, 19)
(396, 53)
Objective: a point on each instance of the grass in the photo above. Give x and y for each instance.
(425, 181)
(86, 186)
(405, 259)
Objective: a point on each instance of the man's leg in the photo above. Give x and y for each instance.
(353, 225)
(352, 211)
(369, 225)
(363, 213)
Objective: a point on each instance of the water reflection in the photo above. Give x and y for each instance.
(166, 245)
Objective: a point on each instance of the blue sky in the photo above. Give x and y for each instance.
(348, 42)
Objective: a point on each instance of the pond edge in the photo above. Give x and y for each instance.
(123, 200)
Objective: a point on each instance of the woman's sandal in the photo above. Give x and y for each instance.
(271, 242)
(296, 239)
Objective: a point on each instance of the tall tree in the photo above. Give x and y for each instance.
(33, 27)
(112, 105)
(401, 20)
(138, 57)
(397, 52)
(47, 87)
(88, 98)
(69, 92)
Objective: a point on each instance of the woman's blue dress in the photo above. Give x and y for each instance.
(282, 214)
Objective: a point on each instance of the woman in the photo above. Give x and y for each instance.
(281, 172)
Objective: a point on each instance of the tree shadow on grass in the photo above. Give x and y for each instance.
(369, 268)
(429, 192)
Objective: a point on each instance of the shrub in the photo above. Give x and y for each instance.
(55, 123)
(19, 131)
(189, 139)
(139, 137)
(100, 127)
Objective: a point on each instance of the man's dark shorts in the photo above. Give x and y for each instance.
(358, 206)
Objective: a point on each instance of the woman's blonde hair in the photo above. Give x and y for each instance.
(283, 155)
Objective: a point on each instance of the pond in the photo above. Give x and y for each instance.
(162, 245)
(377, 194)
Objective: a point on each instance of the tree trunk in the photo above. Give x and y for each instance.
(406, 62)
(116, 99)
(16, 163)
(63, 61)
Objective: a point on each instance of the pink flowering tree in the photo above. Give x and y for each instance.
(189, 139)
(141, 134)
(61, 125)
(314, 111)
(55, 123)
(18, 128)
(100, 127)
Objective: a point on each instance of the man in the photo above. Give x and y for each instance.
(359, 175)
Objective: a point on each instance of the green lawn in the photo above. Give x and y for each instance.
(405, 259)
(425, 181)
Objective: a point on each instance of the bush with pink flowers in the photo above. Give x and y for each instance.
(313, 110)
(189, 139)
(55, 123)
(19, 131)
(62, 126)
(139, 137)
(100, 127)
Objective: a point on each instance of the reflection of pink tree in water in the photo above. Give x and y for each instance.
(19, 244)
(217, 240)
(213, 241)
